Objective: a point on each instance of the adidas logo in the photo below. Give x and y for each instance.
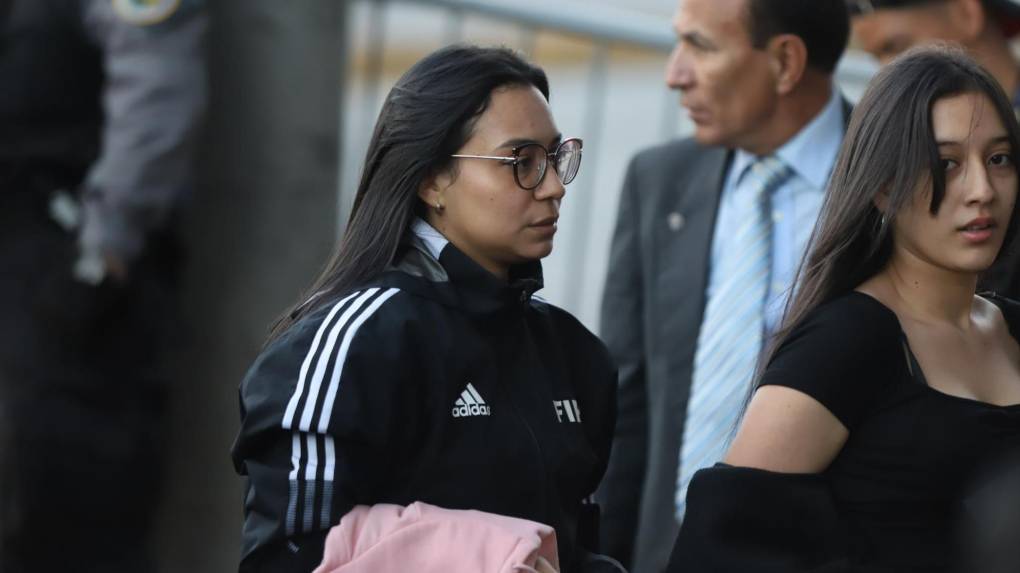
(470, 403)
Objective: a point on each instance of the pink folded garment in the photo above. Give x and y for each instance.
(426, 539)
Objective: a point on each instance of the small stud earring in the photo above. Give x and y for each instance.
(439, 207)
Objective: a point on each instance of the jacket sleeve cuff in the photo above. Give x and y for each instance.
(107, 230)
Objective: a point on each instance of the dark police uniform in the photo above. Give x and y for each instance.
(99, 104)
(435, 383)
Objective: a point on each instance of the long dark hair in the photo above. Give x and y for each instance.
(427, 116)
(889, 147)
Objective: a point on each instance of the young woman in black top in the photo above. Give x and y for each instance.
(891, 387)
(420, 368)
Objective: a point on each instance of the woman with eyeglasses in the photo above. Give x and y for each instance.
(420, 367)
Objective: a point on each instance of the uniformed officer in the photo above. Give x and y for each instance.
(99, 105)
(885, 28)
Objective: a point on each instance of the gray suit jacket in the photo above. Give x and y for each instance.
(651, 313)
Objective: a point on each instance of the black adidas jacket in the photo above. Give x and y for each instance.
(436, 383)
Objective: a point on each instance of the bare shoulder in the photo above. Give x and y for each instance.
(988, 314)
(786, 430)
(995, 326)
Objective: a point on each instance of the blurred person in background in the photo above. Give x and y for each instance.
(421, 368)
(892, 390)
(99, 105)
(709, 232)
(885, 28)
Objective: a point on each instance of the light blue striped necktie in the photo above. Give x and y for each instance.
(732, 328)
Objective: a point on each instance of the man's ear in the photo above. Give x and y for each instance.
(788, 58)
(969, 17)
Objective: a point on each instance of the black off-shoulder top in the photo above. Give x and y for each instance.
(896, 495)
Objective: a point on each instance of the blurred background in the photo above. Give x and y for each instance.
(295, 90)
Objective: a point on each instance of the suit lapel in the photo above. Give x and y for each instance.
(683, 253)
(680, 221)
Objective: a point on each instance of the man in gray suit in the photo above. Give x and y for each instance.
(756, 79)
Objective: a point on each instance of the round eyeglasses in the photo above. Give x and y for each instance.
(531, 161)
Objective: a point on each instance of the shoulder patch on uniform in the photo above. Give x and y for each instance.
(145, 12)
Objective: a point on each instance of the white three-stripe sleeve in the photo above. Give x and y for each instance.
(326, 357)
(328, 473)
(313, 458)
(311, 496)
(288, 416)
(293, 484)
(334, 383)
(310, 469)
(295, 456)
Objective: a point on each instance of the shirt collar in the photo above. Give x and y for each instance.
(811, 153)
(432, 239)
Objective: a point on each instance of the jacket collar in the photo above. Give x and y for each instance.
(444, 273)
